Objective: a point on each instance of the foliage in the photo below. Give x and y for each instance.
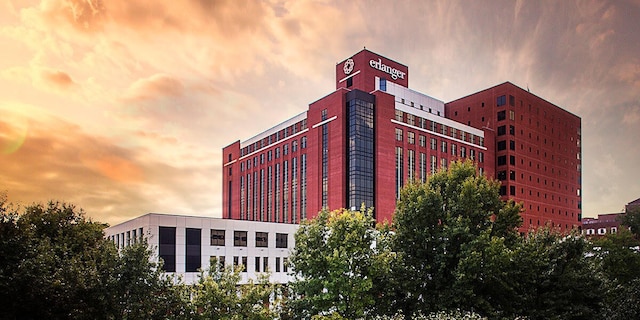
(631, 219)
(447, 221)
(617, 256)
(56, 264)
(338, 258)
(554, 278)
(218, 295)
(455, 314)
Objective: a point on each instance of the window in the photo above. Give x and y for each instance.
(262, 239)
(244, 264)
(512, 160)
(502, 145)
(463, 152)
(480, 157)
(501, 100)
(294, 146)
(512, 190)
(512, 175)
(411, 137)
(285, 264)
(434, 144)
(398, 134)
(512, 100)
(444, 147)
(285, 149)
(502, 175)
(502, 130)
(277, 264)
(453, 149)
(303, 143)
(502, 160)
(217, 237)
(167, 248)
(502, 115)
(257, 264)
(411, 119)
(512, 130)
(512, 145)
(399, 115)
(503, 190)
(512, 115)
(239, 238)
(192, 249)
(423, 141)
(265, 264)
(282, 240)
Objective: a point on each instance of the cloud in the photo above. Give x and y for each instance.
(58, 160)
(155, 86)
(57, 79)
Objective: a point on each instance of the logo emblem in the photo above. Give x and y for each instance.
(348, 66)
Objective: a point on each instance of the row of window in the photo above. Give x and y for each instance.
(436, 127)
(418, 166)
(240, 239)
(433, 143)
(601, 231)
(128, 238)
(275, 137)
(265, 196)
(269, 155)
(261, 264)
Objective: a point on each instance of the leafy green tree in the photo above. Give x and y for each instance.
(618, 259)
(553, 278)
(56, 264)
(137, 288)
(631, 219)
(454, 215)
(338, 258)
(218, 295)
(53, 263)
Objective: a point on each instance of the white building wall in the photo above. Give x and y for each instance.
(151, 222)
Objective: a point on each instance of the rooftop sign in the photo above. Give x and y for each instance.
(395, 73)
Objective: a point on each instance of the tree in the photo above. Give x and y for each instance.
(631, 220)
(338, 258)
(553, 277)
(53, 262)
(617, 258)
(137, 288)
(218, 295)
(455, 215)
(56, 264)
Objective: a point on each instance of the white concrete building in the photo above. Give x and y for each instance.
(188, 243)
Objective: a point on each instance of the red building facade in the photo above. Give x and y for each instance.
(537, 154)
(358, 145)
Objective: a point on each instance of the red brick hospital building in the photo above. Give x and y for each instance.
(362, 142)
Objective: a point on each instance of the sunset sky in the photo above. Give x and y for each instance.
(122, 107)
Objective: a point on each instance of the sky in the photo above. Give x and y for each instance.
(123, 107)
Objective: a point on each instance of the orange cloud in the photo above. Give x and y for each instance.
(119, 169)
(57, 79)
